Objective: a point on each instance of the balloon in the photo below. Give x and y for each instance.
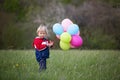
(65, 37)
(73, 29)
(66, 23)
(76, 41)
(72, 46)
(58, 36)
(57, 29)
(64, 46)
(68, 33)
(78, 33)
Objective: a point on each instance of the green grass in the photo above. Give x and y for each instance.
(62, 65)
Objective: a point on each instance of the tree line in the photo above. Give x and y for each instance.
(99, 21)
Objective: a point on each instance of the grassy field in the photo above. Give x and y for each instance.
(62, 65)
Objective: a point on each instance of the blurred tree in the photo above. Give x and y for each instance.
(99, 21)
(14, 6)
(93, 16)
(12, 38)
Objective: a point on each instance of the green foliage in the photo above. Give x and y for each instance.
(87, 13)
(11, 5)
(112, 1)
(12, 38)
(14, 6)
(99, 40)
(62, 65)
(73, 2)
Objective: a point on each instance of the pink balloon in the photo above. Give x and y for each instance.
(78, 33)
(58, 36)
(76, 41)
(72, 46)
(66, 23)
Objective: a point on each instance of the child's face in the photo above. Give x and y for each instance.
(42, 33)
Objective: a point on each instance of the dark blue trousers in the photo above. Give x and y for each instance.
(42, 64)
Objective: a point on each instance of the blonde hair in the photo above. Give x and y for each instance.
(42, 27)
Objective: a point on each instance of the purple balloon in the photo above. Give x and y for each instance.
(76, 41)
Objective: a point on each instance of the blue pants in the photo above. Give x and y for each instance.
(42, 64)
(42, 54)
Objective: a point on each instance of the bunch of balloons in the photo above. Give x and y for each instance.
(68, 33)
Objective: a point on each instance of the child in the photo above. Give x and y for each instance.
(41, 45)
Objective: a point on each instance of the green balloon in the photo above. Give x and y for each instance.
(65, 37)
(64, 45)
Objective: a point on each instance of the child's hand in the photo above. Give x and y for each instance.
(50, 43)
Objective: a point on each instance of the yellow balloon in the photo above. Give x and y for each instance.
(64, 45)
(65, 37)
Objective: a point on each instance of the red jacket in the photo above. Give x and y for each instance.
(40, 43)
